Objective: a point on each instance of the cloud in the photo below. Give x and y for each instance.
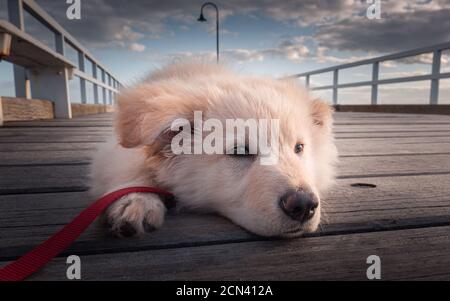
(184, 28)
(285, 50)
(143, 18)
(137, 47)
(334, 25)
(404, 25)
(305, 13)
(106, 23)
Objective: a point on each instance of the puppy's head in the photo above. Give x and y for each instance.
(278, 199)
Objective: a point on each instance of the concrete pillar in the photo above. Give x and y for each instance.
(435, 71)
(335, 84)
(104, 89)
(95, 73)
(21, 82)
(1, 112)
(375, 72)
(15, 15)
(82, 80)
(53, 84)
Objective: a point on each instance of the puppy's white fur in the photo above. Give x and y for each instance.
(241, 189)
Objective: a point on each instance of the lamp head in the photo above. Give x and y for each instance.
(201, 18)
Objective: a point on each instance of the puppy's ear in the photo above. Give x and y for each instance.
(145, 114)
(322, 113)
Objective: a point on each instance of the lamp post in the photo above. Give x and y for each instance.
(203, 19)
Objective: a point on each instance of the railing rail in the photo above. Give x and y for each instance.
(434, 76)
(101, 77)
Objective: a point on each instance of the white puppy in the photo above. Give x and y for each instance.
(281, 199)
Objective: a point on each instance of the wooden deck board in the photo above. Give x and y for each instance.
(28, 219)
(73, 177)
(16, 154)
(407, 254)
(406, 156)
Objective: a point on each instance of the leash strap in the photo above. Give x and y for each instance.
(42, 254)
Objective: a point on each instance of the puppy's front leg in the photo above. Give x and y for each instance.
(135, 214)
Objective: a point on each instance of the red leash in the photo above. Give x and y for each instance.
(42, 254)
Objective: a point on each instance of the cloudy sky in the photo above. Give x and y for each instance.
(267, 37)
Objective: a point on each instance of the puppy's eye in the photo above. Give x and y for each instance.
(299, 148)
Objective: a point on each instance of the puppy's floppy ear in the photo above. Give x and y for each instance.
(322, 113)
(146, 112)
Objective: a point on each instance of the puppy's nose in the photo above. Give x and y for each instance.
(299, 205)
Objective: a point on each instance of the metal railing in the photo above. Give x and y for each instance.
(42, 74)
(434, 76)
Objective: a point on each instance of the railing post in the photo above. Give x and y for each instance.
(335, 84)
(435, 71)
(104, 89)
(110, 92)
(1, 112)
(82, 80)
(375, 73)
(94, 68)
(307, 78)
(114, 93)
(21, 80)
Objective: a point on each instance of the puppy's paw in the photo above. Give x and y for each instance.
(135, 214)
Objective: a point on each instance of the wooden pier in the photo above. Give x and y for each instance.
(392, 199)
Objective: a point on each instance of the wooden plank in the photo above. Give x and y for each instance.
(341, 120)
(50, 137)
(22, 179)
(338, 129)
(390, 121)
(405, 194)
(397, 140)
(374, 166)
(391, 135)
(59, 123)
(28, 158)
(44, 147)
(405, 254)
(397, 121)
(392, 116)
(62, 153)
(389, 148)
(396, 203)
(380, 115)
(58, 130)
(397, 108)
(55, 138)
(391, 128)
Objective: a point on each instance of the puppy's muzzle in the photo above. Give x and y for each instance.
(300, 205)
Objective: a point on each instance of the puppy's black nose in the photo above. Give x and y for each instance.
(299, 205)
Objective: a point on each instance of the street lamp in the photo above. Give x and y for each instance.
(203, 19)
